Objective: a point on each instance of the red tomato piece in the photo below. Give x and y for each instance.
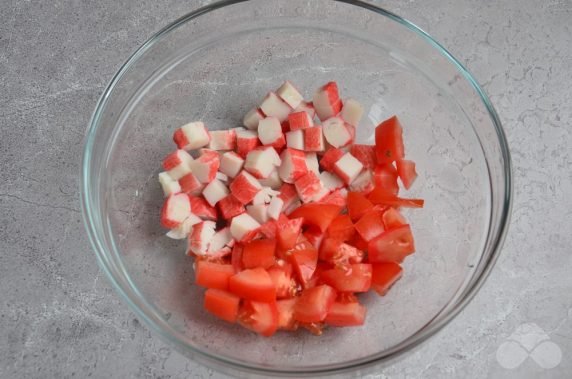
(406, 172)
(304, 263)
(314, 303)
(392, 245)
(384, 275)
(268, 229)
(317, 214)
(385, 178)
(346, 314)
(259, 253)
(365, 154)
(339, 253)
(222, 304)
(392, 218)
(314, 236)
(346, 297)
(389, 141)
(359, 243)
(287, 231)
(259, 317)
(253, 284)
(236, 257)
(341, 228)
(335, 198)
(281, 276)
(378, 196)
(370, 225)
(213, 275)
(286, 319)
(356, 279)
(358, 205)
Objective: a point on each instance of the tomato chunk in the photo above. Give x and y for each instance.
(222, 304)
(281, 276)
(341, 228)
(286, 319)
(317, 214)
(384, 275)
(259, 253)
(339, 253)
(213, 275)
(314, 303)
(259, 317)
(392, 245)
(253, 284)
(389, 141)
(304, 263)
(406, 172)
(392, 218)
(370, 225)
(346, 314)
(385, 178)
(358, 205)
(356, 279)
(236, 257)
(287, 232)
(378, 196)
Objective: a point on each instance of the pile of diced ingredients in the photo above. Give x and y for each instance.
(287, 218)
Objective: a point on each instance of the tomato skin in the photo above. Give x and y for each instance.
(287, 232)
(304, 262)
(384, 275)
(389, 141)
(341, 228)
(392, 245)
(370, 225)
(213, 275)
(346, 314)
(319, 215)
(356, 279)
(358, 205)
(259, 253)
(379, 196)
(260, 317)
(222, 304)
(406, 172)
(281, 276)
(253, 284)
(385, 178)
(286, 319)
(392, 218)
(314, 303)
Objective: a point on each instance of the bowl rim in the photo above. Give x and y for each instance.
(404, 346)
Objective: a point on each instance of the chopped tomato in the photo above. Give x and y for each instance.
(314, 303)
(392, 245)
(341, 228)
(314, 236)
(236, 257)
(335, 198)
(384, 275)
(268, 229)
(406, 172)
(392, 218)
(389, 141)
(356, 279)
(281, 276)
(259, 253)
(253, 284)
(222, 304)
(317, 214)
(287, 232)
(286, 319)
(370, 225)
(358, 205)
(213, 275)
(378, 196)
(359, 243)
(304, 263)
(346, 297)
(339, 253)
(316, 279)
(346, 314)
(259, 317)
(385, 178)
(316, 328)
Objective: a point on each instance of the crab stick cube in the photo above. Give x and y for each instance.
(222, 140)
(295, 139)
(275, 207)
(314, 139)
(246, 140)
(230, 207)
(231, 164)
(288, 195)
(190, 184)
(306, 107)
(200, 237)
(331, 181)
(244, 187)
(214, 192)
(262, 161)
(293, 165)
(183, 230)
(351, 112)
(312, 163)
(222, 177)
(202, 209)
(330, 157)
(176, 209)
(178, 164)
(322, 193)
(348, 168)
(191, 136)
(338, 197)
(289, 94)
(273, 180)
(252, 118)
(168, 184)
(259, 212)
(300, 120)
(365, 154)
(264, 196)
(270, 132)
(336, 132)
(243, 225)
(206, 166)
(219, 241)
(363, 183)
(274, 106)
(308, 186)
(327, 101)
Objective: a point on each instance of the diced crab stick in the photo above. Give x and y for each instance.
(206, 166)
(321, 194)
(295, 139)
(230, 207)
(348, 168)
(314, 139)
(243, 225)
(168, 184)
(273, 180)
(252, 117)
(265, 195)
(331, 181)
(222, 140)
(191, 136)
(200, 237)
(308, 186)
(178, 164)
(306, 107)
(273, 106)
(231, 164)
(183, 230)
(214, 192)
(312, 163)
(288, 194)
(270, 132)
(176, 209)
(351, 112)
(327, 101)
(292, 207)
(336, 132)
(275, 208)
(293, 165)
(222, 177)
(289, 94)
(220, 241)
(190, 184)
(246, 140)
(262, 161)
(330, 157)
(259, 212)
(202, 209)
(300, 120)
(365, 154)
(244, 187)
(363, 182)
(338, 197)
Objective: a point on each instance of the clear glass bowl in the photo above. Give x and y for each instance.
(213, 65)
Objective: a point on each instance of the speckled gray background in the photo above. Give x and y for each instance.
(59, 317)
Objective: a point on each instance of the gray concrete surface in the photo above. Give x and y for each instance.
(59, 317)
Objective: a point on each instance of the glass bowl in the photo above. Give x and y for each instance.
(213, 65)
